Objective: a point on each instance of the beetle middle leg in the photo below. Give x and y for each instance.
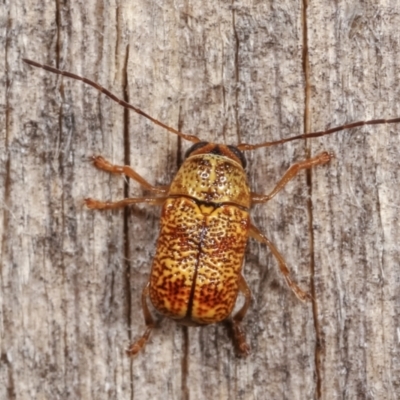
(300, 294)
(108, 205)
(320, 159)
(239, 337)
(135, 347)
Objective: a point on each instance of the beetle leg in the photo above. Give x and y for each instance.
(135, 347)
(321, 159)
(239, 337)
(256, 234)
(101, 163)
(107, 205)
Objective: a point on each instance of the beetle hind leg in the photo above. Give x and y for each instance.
(239, 337)
(300, 294)
(135, 347)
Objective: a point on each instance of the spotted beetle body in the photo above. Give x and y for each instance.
(203, 235)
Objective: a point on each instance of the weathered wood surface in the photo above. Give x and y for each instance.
(229, 71)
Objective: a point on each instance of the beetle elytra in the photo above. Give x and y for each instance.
(205, 224)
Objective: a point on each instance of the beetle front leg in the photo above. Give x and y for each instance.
(101, 163)
(239, 337)
(321, 159)
(300, 294)
(135, 347)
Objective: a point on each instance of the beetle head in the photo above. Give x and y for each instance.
(231, 152)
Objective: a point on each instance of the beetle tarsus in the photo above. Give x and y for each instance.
(101, 163)
(137, 346)
(299, 293)
(239, 338)
(94, 204)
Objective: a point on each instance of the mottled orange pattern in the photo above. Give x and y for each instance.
(199, 256)
(175, 262)
(212, 178)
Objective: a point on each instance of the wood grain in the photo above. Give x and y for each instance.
(71, 278)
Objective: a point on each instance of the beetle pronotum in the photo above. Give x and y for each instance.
(196, 273)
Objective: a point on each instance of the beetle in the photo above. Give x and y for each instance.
(205, 224)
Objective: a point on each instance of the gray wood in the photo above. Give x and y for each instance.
(71, 278)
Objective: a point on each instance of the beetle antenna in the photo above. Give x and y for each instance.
(190, 138)
(245, 146)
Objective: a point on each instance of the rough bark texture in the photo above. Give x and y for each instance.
(245, 71)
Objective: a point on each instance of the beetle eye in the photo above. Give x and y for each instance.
(239, 154)
(195, 147)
